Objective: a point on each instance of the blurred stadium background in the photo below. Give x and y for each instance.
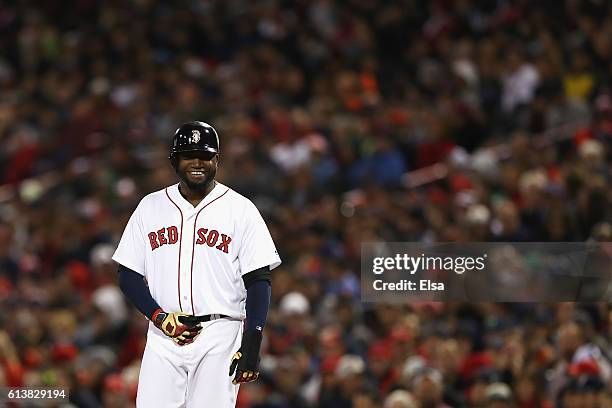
(344, 121)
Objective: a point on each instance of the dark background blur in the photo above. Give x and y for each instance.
(344, 121)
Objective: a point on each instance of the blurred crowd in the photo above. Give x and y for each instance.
(345, 122)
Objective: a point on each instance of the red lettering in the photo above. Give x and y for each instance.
(162, 238)
(201, 236)
(153, 240)
(225, 240)
(172, 235)
(212, 238)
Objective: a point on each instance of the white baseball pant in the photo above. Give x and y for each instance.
(194, 375)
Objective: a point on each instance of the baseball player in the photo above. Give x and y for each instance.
(195, 259)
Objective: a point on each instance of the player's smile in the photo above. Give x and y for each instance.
(197, 174)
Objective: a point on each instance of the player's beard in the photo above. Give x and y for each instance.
(198, 186)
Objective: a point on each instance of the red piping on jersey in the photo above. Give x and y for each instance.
(195, 226)
(180, 244)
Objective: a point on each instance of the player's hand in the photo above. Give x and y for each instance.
(245, 362)
(194, 328)
(181, 327)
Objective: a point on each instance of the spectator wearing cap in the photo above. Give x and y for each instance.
(400, 399)
(579, 356)
(499, 395)
(291, 323)
(350, 380)
(380, 365)
(115, 393)
(428, 388)
(323, 384)
(477, 391)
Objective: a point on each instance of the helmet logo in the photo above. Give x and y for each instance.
(195, 136)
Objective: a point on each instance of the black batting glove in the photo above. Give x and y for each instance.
(245, 362)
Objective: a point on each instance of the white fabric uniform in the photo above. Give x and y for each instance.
(193, 259)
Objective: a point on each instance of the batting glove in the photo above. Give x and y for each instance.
(245, 362)
(177, 325)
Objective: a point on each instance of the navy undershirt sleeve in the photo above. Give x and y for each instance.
(259, 291)
(136, 290)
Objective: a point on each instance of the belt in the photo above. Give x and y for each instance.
(209, 317)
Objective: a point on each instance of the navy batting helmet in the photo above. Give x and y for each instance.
(194, 137)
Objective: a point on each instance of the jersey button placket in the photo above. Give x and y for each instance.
(185, 277)
(186, 263)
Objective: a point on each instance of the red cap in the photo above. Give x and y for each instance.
(64, 352)
(381, 350)
(588, 367)
(80, 275)
(461, 182)
(329, 364)
(32, 357)
(401, 334)
(114, 382)
(474, 362)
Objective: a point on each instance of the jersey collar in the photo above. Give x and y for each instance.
(186, 206)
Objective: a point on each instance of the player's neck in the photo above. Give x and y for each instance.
(194, 196)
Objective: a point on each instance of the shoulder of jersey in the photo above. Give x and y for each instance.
(151, 199)
(155, 195)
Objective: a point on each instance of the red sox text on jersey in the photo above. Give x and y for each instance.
(170, 236)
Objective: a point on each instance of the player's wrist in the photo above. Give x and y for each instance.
(158, 316)
(251, 344)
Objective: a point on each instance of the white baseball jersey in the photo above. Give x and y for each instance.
(194, 258)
